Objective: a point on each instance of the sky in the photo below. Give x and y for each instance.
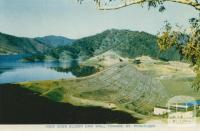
(33, 18)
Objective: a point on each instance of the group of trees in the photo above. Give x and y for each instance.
(186, 41)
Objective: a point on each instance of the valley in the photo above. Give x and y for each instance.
(125, 63)
(115, 71)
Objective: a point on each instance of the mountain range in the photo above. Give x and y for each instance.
(19, 45)
(126, 43)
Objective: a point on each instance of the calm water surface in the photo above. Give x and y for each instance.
(22, 106)
(12, 70)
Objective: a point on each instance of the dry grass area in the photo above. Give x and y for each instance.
(161, 69)
(106, 59)
(123, 85)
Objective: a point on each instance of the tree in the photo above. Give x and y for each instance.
(186, 41)
(108, 4)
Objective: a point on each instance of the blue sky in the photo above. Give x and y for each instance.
(32, 18)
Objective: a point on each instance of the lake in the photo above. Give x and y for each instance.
(22, 106)
(12, 70)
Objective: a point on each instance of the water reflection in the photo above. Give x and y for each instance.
(31, 74)
(78, 71)
(12, 69)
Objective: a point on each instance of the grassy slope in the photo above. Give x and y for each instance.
(123, 86)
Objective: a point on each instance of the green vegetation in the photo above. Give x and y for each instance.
(125, 43)
(120, 84)
(55, 41)
(132, 87)
(38, 57)
(56, 94)
(101, 94)
(180, 87)
(18, 45)
(186, 42)
(78, 70)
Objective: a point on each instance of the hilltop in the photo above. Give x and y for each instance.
(18, 45)
(10, 44)
(55, 41)
(125, 43)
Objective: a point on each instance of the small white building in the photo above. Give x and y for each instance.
(160, 110)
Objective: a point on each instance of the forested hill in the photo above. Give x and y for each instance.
(17, 45)
(126, 43)
(55, 41)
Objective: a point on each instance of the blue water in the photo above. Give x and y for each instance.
(12, 70)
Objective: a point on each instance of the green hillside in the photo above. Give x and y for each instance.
(126, 43)
(17, 45)
(55, 41)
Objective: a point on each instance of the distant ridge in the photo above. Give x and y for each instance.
(10, 44)
(55, 41)
(126, 43)
(17, 45)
